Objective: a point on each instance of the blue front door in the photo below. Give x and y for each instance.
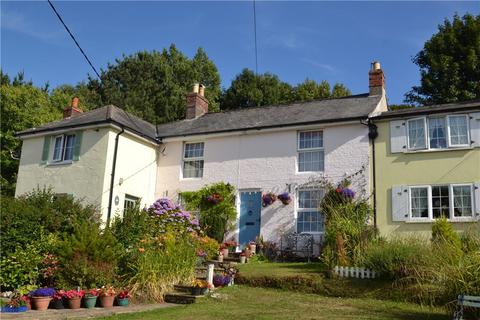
(250, 212)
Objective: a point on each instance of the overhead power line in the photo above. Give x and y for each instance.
(73, 38)
(255, 32)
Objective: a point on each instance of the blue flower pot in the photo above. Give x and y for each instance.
(8, 309)
(122, 302)
(90, 301)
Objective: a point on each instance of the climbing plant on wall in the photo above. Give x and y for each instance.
(216, 204)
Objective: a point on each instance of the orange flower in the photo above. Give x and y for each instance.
(141, 249)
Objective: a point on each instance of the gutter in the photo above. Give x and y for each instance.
(372, 135)
(112, 179)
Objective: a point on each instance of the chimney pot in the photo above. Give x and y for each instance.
(195, 88)
(75, 102)
(72, 110)
(376, 79)
(201, 90)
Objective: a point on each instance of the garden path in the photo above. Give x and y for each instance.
(83, 313)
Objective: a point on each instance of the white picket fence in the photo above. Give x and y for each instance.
(354, 272)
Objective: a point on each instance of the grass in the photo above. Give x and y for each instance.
(242, 302)
(281, 269)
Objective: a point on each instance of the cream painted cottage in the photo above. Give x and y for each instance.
(111, 158)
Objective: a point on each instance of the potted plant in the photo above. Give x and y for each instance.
(200, 287)
(253, 247)
(231, 245)
(122, 298)
(40, 298)
(220, 256)
(57, 300)
(268, 199)
(220, 280)
(90, 298)
(224, 251)
(243, 257)
(107, 296)
(74, 298)
(285, 198)
(214, 198)
(15, 304)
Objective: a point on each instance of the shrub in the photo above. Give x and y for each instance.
(442, 231)
(89, 257)
(216, 204)
(24, 219)
(346, 224)
(395, 259)
(470, 239)
(209, 246)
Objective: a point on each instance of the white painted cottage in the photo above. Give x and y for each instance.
(111, 158)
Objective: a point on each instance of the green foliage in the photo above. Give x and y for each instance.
(209, 246)
(22, 266)
(471, 238)
(443, 232)
(160, 263)
(396, 258)
(347, 230)
(152, 85)
(25, 219)
(215, 219)
(250, 90)
(89, 257)
(449, 63)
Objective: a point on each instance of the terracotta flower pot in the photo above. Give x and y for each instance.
(225, 252)
(253, 248)
(107, 301)
(40, 303)
(74, 303)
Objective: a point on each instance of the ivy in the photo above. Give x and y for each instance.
(216, 217)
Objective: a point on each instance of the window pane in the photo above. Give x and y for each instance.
(193, 169)
(419, 199)
(458, 130)
(310, 139)
(193, 150)
(310, 221)
(57, 151)
(462, 201)
(416, 134)
(440, 202)
(309, 199)
(69, 143)
(437, 132)
(310, 161)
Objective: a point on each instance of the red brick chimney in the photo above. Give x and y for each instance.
(197, 105)
(376, 79)
(72, 110)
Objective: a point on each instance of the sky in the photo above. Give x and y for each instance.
(333, 41)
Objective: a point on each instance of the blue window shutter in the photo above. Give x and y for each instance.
(78, 145)
(46, 149)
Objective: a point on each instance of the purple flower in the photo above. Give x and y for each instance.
(348, 193)
(42, 292)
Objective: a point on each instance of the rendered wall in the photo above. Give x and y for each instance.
(452, 166)
(266, 162)
(83, 178)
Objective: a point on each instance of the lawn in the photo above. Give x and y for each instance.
(281, 269)
(242, 302)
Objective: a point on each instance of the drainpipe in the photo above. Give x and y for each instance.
(112, 179)
(372, 134)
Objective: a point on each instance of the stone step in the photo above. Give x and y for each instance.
(181, 298)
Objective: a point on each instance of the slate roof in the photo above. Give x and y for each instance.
(107, 114)
(319, 111)
(433, 109)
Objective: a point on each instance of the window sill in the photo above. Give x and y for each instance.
(440, 150)
(309, 172)
(190, 179)
(59, 163)
(454, 220)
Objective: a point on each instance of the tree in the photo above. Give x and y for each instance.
(22, 106)
(449, 63)
(152, 85)
(250, 90)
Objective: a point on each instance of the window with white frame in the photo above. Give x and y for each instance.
(438, 132)
(310, 151)
(130, 202)
(193, 160)
(63, 147)
(441, 201)
(309, 217)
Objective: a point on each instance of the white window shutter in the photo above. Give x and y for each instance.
(476, 196)
(399, 203)
(398, 136)
(475, 129)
